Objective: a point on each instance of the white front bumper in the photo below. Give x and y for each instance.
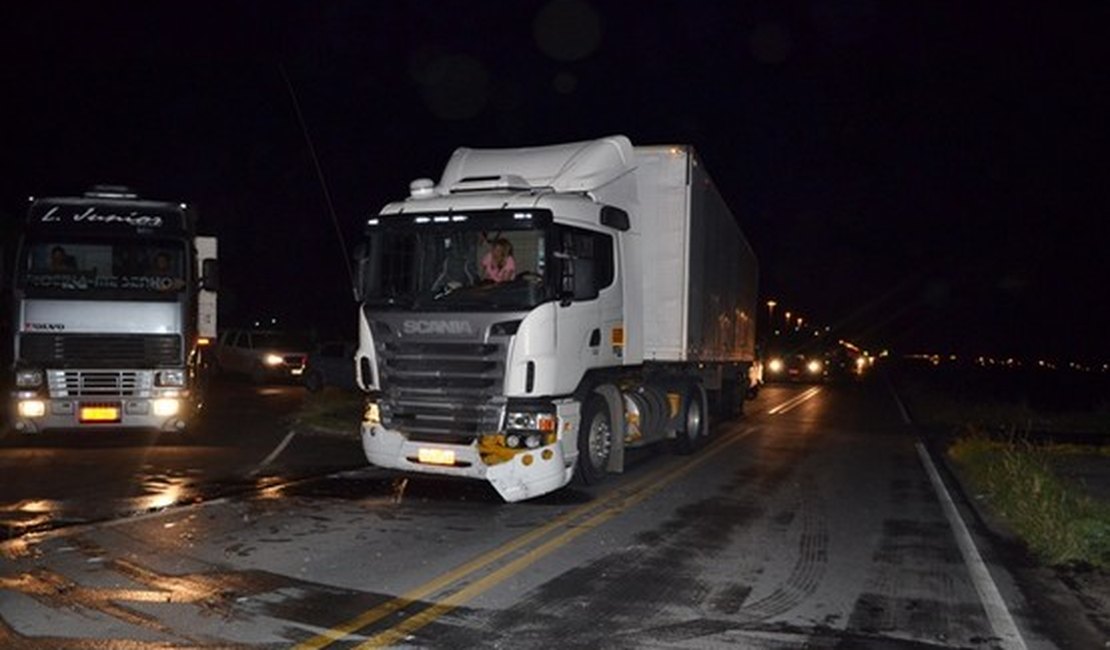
(513, 479)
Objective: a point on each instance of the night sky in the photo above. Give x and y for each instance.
(924, 176)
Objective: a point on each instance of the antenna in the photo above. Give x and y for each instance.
(320, 177)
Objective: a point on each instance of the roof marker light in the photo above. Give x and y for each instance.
(373, 222)
(522, 215)
(459, 217)
(441, 219)
(423, 220)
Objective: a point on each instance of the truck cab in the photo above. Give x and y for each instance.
(114, 303)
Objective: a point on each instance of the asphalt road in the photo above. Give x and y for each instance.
(815, 521)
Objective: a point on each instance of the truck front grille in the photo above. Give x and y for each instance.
(442, 392)
(100, 383)
(100, 350)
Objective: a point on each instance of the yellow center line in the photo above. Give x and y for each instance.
(794, 401)
(379, 612)
(614, 507)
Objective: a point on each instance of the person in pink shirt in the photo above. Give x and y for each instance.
(498, 264)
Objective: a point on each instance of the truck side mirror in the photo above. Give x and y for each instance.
(210, 275)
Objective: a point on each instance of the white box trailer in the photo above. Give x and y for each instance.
(699, 293)
(542, 309)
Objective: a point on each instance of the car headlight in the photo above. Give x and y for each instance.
(174, 377)
(814, 366)
(272, 360)
(775, 365)
(28, 378)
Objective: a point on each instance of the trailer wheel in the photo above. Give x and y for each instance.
(595, 441)
(695, 423)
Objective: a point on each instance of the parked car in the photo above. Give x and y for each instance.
(262, 355)
(332, 363)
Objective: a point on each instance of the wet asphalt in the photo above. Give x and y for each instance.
(810, 522)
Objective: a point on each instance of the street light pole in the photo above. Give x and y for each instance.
(771, 315)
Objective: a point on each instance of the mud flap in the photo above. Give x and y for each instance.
(613, 398)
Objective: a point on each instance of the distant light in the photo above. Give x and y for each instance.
(184, 206)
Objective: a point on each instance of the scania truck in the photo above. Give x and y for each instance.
(541, 310)
(114, 303)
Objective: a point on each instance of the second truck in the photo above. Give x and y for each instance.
(541, 310)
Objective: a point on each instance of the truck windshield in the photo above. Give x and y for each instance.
(150, 267)
(441, 269)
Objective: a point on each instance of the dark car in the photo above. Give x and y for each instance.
(331, 364)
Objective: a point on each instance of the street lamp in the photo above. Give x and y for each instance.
(771, 314)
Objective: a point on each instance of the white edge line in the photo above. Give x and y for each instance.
(1001, 621)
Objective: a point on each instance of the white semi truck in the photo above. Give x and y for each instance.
(543, 309)
(114, 302)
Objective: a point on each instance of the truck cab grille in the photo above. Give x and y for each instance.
(100, 383)
(100, 350)
(441, 391)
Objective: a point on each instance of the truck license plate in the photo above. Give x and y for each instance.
(436, 456)
(99, 413)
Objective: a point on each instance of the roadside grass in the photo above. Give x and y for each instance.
(331, 410)
(1056, 519)
(1005, 428)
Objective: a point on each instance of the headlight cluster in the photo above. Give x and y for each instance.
(174, 377)
(28, 378)
(528, 429)
(272, 360)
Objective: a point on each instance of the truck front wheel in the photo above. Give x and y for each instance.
(695, 423)
(595, 440)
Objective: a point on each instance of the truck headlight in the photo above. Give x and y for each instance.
(544, 422)
(529, 429)
(371, 413)
(174, 377)
(272, 360)
(31, 408)
(166, 407)
(28, 378)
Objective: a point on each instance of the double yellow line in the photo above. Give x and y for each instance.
(592, 515)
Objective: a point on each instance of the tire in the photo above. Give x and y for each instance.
(595, 441)
(695, 422)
